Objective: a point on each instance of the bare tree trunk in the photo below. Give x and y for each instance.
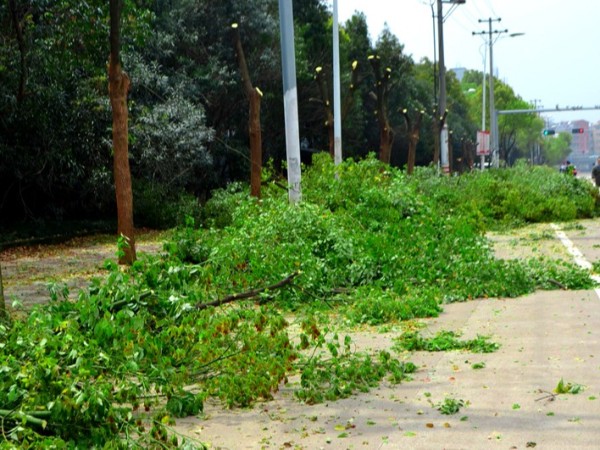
(254, 97)
(255, 144)
(450, 153)
(118, 86)
(326, 103)
(438, 124)
(18, 25)
(414, 130)
(386, 140)
(2, 299)
(436, 141)
(349, 100)
(468, 156)
(382, 86)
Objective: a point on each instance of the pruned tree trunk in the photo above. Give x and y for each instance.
(2, 299)
(438, 124)
(382, 86)
(326, 103)
(255, 144)
(328, 110)
(349, 100)
(450, 152)
(414, 130)
(18, 26)
(507, 146)
(254, 97)
(118, 87)
(468, 153)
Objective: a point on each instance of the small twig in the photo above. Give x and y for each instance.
(249, 294)
(549, 395)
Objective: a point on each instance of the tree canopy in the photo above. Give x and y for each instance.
(188, 130)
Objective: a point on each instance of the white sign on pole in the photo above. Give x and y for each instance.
(483, 143)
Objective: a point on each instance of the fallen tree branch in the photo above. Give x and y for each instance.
(249, 294)
(32, 417)
(556, 283)
(550, 396)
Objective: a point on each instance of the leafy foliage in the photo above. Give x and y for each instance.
(444, 341)
(568, 388)
(450, 406)
(524, 194)
(143, 346)
(345, 373)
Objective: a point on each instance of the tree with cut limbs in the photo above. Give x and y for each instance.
(2, 300)
(381, 94)
(254, 96)
(325, 101)
(18, 20)
(414, 131)
(438, 124)
(118, 86)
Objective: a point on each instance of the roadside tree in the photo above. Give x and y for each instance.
(118, 88)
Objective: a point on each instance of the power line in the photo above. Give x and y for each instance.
(493, 118)
(477, 8)
(491, 7)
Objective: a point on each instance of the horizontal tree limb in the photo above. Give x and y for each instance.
(249, 294)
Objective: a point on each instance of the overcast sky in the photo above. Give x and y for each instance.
(556, 61)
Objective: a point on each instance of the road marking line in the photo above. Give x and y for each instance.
(576, 253)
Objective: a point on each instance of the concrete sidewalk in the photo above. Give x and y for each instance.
(509, 403)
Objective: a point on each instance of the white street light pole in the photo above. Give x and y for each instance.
(337, 114)
(290, 100)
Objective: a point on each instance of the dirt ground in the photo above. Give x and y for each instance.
(28, 271)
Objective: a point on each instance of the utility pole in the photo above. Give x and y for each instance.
(442, 83)
(290, 100)
(435, 91)
(493, 118)
(445, 160)
(483, 104)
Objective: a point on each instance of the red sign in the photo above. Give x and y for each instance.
(483, 143)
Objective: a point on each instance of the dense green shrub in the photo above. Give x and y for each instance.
(155, 206)
(522, 194)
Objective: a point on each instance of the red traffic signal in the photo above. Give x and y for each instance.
(577, 130)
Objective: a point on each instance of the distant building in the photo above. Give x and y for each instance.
(595, 138)
(581, 141)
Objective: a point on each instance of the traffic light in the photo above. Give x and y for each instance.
(549, 132)
(577, 130)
